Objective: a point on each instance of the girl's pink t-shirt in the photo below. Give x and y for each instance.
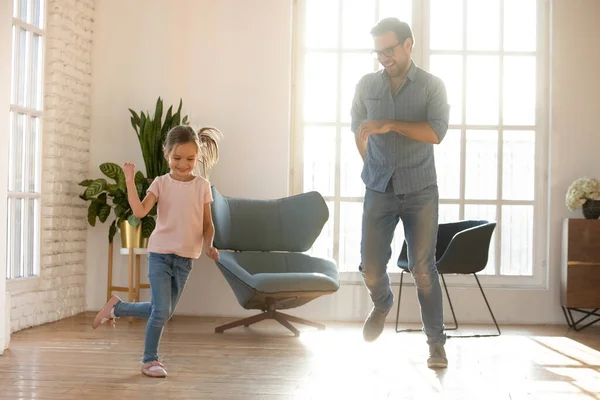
(180, 215)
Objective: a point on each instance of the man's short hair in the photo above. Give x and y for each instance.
(400, 28)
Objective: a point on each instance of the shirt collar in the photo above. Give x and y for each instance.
(412, 72)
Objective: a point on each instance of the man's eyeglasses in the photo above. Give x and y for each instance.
(388, 51)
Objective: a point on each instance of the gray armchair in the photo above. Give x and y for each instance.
(462, 248)
(261, 245)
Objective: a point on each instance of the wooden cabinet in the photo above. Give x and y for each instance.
(580, 270)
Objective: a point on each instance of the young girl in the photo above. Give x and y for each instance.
(183, 226)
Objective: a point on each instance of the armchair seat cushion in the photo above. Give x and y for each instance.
(282, 272)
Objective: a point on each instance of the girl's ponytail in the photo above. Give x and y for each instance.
(209, 146)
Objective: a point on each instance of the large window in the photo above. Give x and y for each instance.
(26, 105)
(487, 53)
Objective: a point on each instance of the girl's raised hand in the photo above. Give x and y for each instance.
(129, 170)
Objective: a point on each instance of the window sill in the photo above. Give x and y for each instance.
(22, 285)
(457, 281)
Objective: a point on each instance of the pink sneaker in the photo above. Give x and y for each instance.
(154, 369)
(106, 314)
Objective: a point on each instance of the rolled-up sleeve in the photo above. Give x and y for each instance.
(438, 109)
(358, 112)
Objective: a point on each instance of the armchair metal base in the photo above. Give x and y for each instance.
(271, 313)
(451, 309)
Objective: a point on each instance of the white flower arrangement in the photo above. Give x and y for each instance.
(581, 190)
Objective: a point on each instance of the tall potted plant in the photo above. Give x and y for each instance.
(151, 134)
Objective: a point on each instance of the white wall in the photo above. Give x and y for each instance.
(5, 59)
(575, 137)
(230, 61)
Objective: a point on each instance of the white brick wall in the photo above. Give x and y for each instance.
(66, 153)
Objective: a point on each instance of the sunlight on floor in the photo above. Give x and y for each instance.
(506, 367)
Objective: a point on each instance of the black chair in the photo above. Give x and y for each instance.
(462, 248)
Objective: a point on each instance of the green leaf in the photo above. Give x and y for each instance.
(167, 125)
(185, 120)
(120, 210)
(147, 149)
(115, 172)
(92, 213)
(110, 169)
(112, 230)
(135, 120)
(148, 225)
(112, 189)
(86, 182)
(158, 115)
(139, 178)
(177, 115)
(103, 212)
(119, 198)
(133, 220)
(95, 187)
(102, 199)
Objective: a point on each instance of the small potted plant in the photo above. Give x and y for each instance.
(585, 193)
(134, 231)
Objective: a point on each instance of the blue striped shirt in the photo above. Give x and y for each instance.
(408, 162)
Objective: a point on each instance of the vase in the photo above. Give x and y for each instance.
(591, 209)
(131, 237)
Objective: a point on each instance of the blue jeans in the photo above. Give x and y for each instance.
(168, 274)
(419, 214)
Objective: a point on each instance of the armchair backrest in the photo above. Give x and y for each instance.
(468, 249)
(462, 246)
(289, 224)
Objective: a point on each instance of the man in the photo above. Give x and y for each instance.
(398, 114)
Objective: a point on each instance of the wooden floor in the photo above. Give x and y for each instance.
(68, 360)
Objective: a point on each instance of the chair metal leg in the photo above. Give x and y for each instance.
(302, 321)
(567, 317)
(491, 313)
(281, 319)
(419, 330)
(398, 308)
(271, 313)
(246, 321)
(451, 307)
(399, 299)
(587, 314)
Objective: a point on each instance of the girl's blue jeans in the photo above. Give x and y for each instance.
(168, 274)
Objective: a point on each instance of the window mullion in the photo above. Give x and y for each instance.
(498, 241)
(10, 236)
(337, 203)
(16, 52)
(421, 48)
(25, 234)
(463, 130)
(19, 23)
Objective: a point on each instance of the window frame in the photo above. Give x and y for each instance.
(421, 53)
(27, 281)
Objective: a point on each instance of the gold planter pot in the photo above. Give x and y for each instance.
(132, 237)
